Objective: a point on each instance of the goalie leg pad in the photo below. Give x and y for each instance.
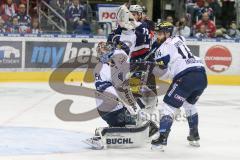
(131, 137)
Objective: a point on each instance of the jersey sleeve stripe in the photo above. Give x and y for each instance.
(139, 52)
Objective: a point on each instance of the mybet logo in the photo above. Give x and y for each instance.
(58, 55)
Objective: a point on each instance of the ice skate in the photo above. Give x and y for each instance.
(194, 138)
(161, 142)
(95, 142)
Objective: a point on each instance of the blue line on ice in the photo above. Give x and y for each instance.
(32, 141)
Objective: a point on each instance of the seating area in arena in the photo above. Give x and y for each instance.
(200, 18)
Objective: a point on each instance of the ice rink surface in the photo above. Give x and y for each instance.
(30, 129)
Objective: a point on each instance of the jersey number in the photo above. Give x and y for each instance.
(185, 52)
(146, 32)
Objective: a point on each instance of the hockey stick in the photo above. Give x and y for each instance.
(112, 98)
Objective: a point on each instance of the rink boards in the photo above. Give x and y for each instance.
(33, 58)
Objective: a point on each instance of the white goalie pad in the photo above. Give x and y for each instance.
(130, 137)
(121, 137)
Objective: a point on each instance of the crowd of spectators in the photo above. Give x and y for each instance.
(207, 19)
(14, 18)
(203, 19)
(77, 13)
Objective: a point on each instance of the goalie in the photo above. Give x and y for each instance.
(121, 116)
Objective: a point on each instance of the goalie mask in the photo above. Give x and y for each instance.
(104, 52)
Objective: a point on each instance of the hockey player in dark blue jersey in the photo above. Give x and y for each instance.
(137, 37)
(142, 45)
(135, 41)
(143, 81)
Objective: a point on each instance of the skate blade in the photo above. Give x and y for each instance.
(194, 143)
(93, 144)
(160, 148)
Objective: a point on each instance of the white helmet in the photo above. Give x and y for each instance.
(136, 8)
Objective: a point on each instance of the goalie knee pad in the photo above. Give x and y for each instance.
(190, 109)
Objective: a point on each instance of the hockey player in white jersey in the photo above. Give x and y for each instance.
(110, 76)
(188, 83)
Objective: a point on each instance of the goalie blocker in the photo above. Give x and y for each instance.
(122, 137)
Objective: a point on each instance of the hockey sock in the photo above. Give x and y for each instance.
(193, 121)
(165, 123)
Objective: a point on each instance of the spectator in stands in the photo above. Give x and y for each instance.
(24, 20)
(35, 29)
(195, 8)
(100, 32)
(59, 5)
(191, 9)
(202, 33)
(200, 3)
(33, 8)
(8, 10)
(205, 8)
(222, 33)
(228, 12)
(181, 28)
(210, 26)
(233, 32)
(13, 27)
(76, 17)
(87, 10)
(2, 27)
(169, 19)
(217, 10)
(20, 2)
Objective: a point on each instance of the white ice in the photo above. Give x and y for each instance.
(31, 131)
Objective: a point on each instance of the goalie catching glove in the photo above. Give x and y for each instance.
(125, 18)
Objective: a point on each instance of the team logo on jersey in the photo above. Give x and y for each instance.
(218, 58)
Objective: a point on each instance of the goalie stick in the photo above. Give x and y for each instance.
(108, 96)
